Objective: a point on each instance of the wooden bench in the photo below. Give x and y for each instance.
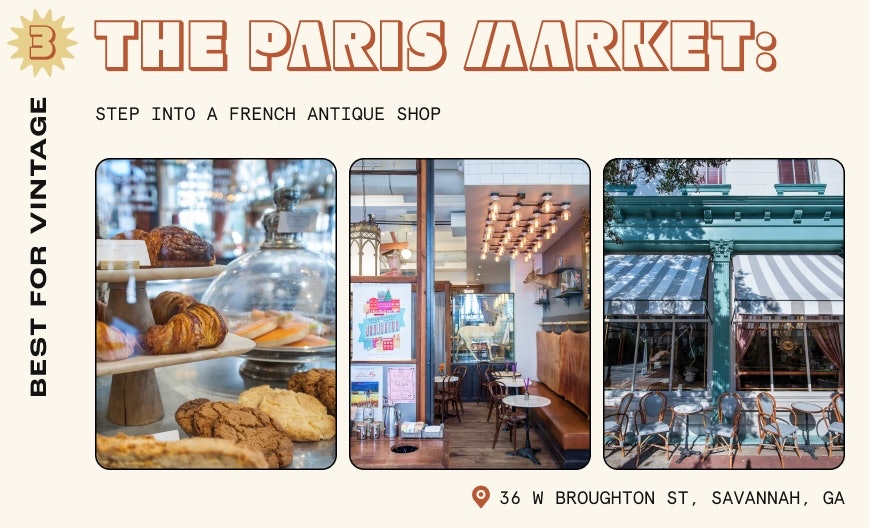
(564, 428)
(563, 377)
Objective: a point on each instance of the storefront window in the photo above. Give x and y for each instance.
(789, 354)
(655, 354)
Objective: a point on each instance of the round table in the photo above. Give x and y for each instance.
(807, 409)
(526, 401)
(686, 410)
(507, 374)
(512, 383)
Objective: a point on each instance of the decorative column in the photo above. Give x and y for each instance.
(720, 312)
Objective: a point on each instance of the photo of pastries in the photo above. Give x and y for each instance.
(215, 278)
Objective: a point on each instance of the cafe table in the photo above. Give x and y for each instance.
(507, 374)
(807, 409)
(685, 410)
(526, 401)
(513, 384)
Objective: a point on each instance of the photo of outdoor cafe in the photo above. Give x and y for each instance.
(724, 315)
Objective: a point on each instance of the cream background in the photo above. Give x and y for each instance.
(812, 105)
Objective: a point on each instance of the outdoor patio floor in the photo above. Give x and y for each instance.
(653, 458)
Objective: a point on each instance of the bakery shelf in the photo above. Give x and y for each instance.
(233, 345)
(151, 274)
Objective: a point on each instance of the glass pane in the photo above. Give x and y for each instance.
(483, 327)
(619, 347)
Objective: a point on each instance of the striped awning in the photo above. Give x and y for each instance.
(788, 284)
(655, 284)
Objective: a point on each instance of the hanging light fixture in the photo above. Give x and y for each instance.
(365, 242)
(514, 231)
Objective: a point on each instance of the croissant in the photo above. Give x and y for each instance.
(214, 327)
(169, 303)
(181, 333)
(113, 344)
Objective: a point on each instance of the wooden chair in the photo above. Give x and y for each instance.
(483, 369)
(649, 422)
(505, 415)
(460, 371)
(725, 428)
(616, 424)
(448, 397)
(772, 426)
(835, 420)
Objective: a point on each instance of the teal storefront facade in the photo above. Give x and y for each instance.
(708, 292)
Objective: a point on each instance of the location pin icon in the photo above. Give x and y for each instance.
(480, 495)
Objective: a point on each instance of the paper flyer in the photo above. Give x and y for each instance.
(325, 85)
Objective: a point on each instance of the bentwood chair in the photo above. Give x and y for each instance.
(725, 428)
(505, 415)
(649, 422)
(835, 420)
(483, 369)
(460, 371)
(616, 424)
(448, 397)
(775, 427)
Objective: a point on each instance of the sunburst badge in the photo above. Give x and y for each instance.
(42, 43)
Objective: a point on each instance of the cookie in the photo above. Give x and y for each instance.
(184, 414)
(254, 396)
(205, 416)
(253, 428)
(300, 414)
(317, 382)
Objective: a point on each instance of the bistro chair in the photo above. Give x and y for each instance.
(483, 370)
(725, 429)
(505, 415)
(448, 397)
(460, 371)
(835, 420)
(649, 421)
(616, 424)
(775, 427)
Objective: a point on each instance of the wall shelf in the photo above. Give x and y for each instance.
(568, 295)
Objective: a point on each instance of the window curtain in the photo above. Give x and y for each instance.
(745, 333)
(827, 336)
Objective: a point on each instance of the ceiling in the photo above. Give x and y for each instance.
(459, 214)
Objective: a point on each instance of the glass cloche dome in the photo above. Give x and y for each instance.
(283, 296)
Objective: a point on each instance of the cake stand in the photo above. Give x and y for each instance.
(134, 396)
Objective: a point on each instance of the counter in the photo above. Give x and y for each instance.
(214, 379)
(431, 453)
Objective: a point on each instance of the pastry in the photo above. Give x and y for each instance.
(257, 327)
(184, 414)
(257, 429)
(169, 303)
(303, 416)
(123, 451)
(113, 344)
(181, 333)
(212, 323)
(317, 382)
(283, 335)
(172, 246)
(239, 424)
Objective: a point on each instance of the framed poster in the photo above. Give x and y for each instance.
(366, 389)
(402, 384)
(380, 314)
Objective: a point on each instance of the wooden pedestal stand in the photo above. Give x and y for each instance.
(134, 398)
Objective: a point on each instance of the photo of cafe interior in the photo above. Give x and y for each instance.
(470, 302)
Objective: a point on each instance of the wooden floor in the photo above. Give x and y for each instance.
(471, 443)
